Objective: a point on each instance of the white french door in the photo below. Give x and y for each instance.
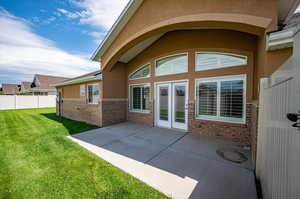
(171, 106)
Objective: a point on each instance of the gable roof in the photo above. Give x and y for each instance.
(10, 89)
(45, 82)
(116, 28)
(93, 76)
(285, 8)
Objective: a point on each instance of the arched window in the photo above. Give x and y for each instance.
(142, 72)
(173, 64)
(213, 60)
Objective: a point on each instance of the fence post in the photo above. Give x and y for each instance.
(15, 97)
(38, 101)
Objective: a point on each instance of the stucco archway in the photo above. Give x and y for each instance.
(237, 22)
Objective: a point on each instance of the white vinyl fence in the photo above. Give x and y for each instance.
(278, 149)
(20, 102)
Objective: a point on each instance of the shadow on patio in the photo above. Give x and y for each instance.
(179, 164)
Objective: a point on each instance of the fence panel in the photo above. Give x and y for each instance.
(47, 101)
(27, 102)
(7, 102)
(21, 102)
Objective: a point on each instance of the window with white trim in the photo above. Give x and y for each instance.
(208, 60)
(221, 99)
(142, 72)
(93, 93)
(82, 90)
(173, 64)
(139, 96)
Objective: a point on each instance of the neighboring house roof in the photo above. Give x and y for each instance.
(285, 9)
(25, 86)
(45, 82)
(10, 89)
(93, 76)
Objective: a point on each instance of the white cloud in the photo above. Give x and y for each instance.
(22, 51)
(98, 36)
(71, 15)
(100, 13)
(62, 10)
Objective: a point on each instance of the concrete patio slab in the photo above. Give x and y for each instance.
(136, 148)
(207, 146)
(178, 164)
(214, 179)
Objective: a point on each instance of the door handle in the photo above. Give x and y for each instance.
(186, 107)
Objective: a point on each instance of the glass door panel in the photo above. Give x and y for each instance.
(164, 105)
(179, 105)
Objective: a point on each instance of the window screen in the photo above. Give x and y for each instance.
(136, 98)
(221, 99)
(139, 98)
(207, 98)
(206, 61)
(143, 72)
(172, 65)
(232, 99)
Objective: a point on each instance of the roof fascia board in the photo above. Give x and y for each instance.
(78, 81)
(114, 31)
(288, 14)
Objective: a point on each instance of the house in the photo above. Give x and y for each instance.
(43, 84)
(10, 89)
(78, 98)
(25, 87)
(193, 65)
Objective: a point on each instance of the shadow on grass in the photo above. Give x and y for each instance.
(72, 126)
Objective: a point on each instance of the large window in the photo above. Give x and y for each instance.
(142, 72)
(221, 99)
(93, 93)
(172, 65)
(207, 60)
(139, 96)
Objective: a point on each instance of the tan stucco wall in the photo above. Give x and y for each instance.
(255, 16)
(191, 41)
(114, 85)
(73, 91)
(275, 59)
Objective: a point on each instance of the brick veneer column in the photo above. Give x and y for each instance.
(240, 133)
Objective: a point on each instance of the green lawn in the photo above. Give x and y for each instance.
(38, 161)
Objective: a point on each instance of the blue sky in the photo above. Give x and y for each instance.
(55, 37)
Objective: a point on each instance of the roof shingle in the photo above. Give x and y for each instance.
(10, 89)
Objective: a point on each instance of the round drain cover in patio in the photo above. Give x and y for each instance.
(232, 155)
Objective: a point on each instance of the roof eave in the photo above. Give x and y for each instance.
(122, 20)
(81, 80)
